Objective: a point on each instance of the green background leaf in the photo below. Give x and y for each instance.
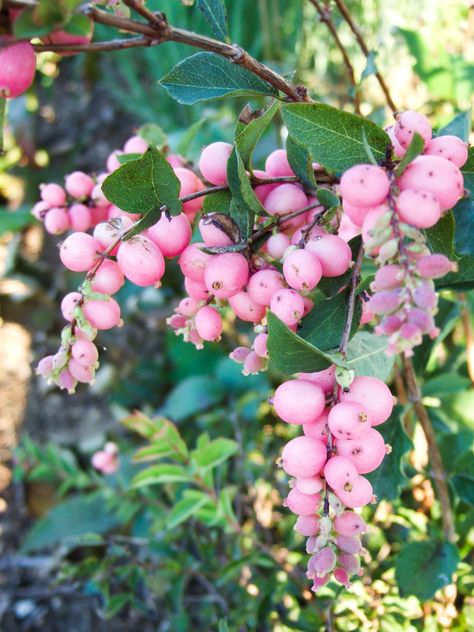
(215, 13)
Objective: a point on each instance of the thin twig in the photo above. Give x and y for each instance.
(97, 47)
(365, 49)
(325, 17)
(439, 474)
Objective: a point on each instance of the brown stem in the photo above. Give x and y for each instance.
(117, 44)
(325, 16)
(439, 474)
(364, 48)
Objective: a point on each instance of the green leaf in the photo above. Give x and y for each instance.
(370, 66)
(327, 198)
(161, 432)
(468, 171)
(366, 355)
(464, 231)
(462, 478)
(248, 135)
(153, 134)
(217, 203)
(144, 185)
(193, 395)
(185, 508)
(159, 474)
(215, 452)
(215, 13)
(290, 353)
(124, 158)
(389, 478)
(440, 237)
(15, 221)
(3, 121)
(461, 280)
(78, 25)
(207, 76)
(414, 149)
(73, 517)
(460, 126)
(245, 203)
(422, 568)
(301, 162)
(334, 138)
(34, 22)
(324, 324)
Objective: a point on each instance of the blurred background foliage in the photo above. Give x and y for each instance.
(208, 546)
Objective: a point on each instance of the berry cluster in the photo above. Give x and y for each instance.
(338, 446)
(106, 460)
(392, 212)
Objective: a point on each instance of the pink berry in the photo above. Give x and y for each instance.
(277, 165)
(246, 309)
(69, 304)
(260, 345)
(188, 307)
(196, 290)
(239, 354)
(285, 199)
(263, 285)
(366, 452)
(365, 185)
(349, 563)
(303, 457)
(325, 378)
(342, 577)
(56, 221)
(333, 253)
(109, 233)
(79, 252)
(208, 323)
(356, 214)
(190, 183)
(407, 124)
(299, 402)
(172, 235)
(309, 485)
(307, 525)
(434, 266)
(339, 472)
(436, 175)
(53, 194)
(80, 217)
(85, 352)
(63, 37)
(450, 147)
(288, 306)
(253, 364)
(80, 372)
(348, 420)
(79, 185)
(108, 279)
(349, 544)
(322, 562)
(349, 524)
(302, 270)
(373, 394)
(45, 367)
(66, 381)
(211, 233)
(418, 208)
(113, 162)
(318, 429)
(141, 261)
(398, 150)
(39, 210)
(388, 277)
(277, 244)
(425, 295)
(135, 145)
(102, 314)
(193, 262)
(302, 504)
(213, 162)
(17, 69)
(226, 274)
(357, 493)
(385, 301)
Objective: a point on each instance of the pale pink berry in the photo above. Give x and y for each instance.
(349, 524)
(408, 123)
(357, 493)
(434, 266)
(190, 183)
(193, 262)
(322, 562)
(349, 544)
(188, 307)
(302, 504)
(108, 233)
(239, 354)
(303, 457)
(85, 352)
(98, 196)
(39, 210)
(319, 428)
(302, 270)
(253, 364)
(262, 190)
(79, 185)
(339, 472)
(333, 253)
(309, 485)
(226, 274)
(80, 372)
(325, 378)
(450, 147)
(260, 345)
(277, 244)
(299, 402)
(213, 162)
(348, 420)
(53, 194)
(436, 175)
(45, 367)
(208, 323)
(398, 150)
(307, 525)
(264, 284)
(135, 145)
(422, 319)
(385, 302)
(102, 314)
(64, 37)
(113, 162)
(418, 208)
(80, 217)
(342, 577)
(286, 198)
(246, 308)
(319, 582)
(388, 325)
(141, 261)
(56, 221)
(370, 228)
(425, 295)
(211, 233)
(69, 304)
(388, 277)
(366, 452)
(196, 290)
(365, 185)
(176, 321)
(277, 164)
(350, 563)
(288, 306)
(175, 160)
(79, 252)
(171, 235)
(66, 381)
(108, 279)
(113, 212)
(373, 394)
(17, 69)
(356, 214)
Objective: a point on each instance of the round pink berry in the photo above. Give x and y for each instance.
(299, 402)
(213, 162)
(79, 252)
(365, 185)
